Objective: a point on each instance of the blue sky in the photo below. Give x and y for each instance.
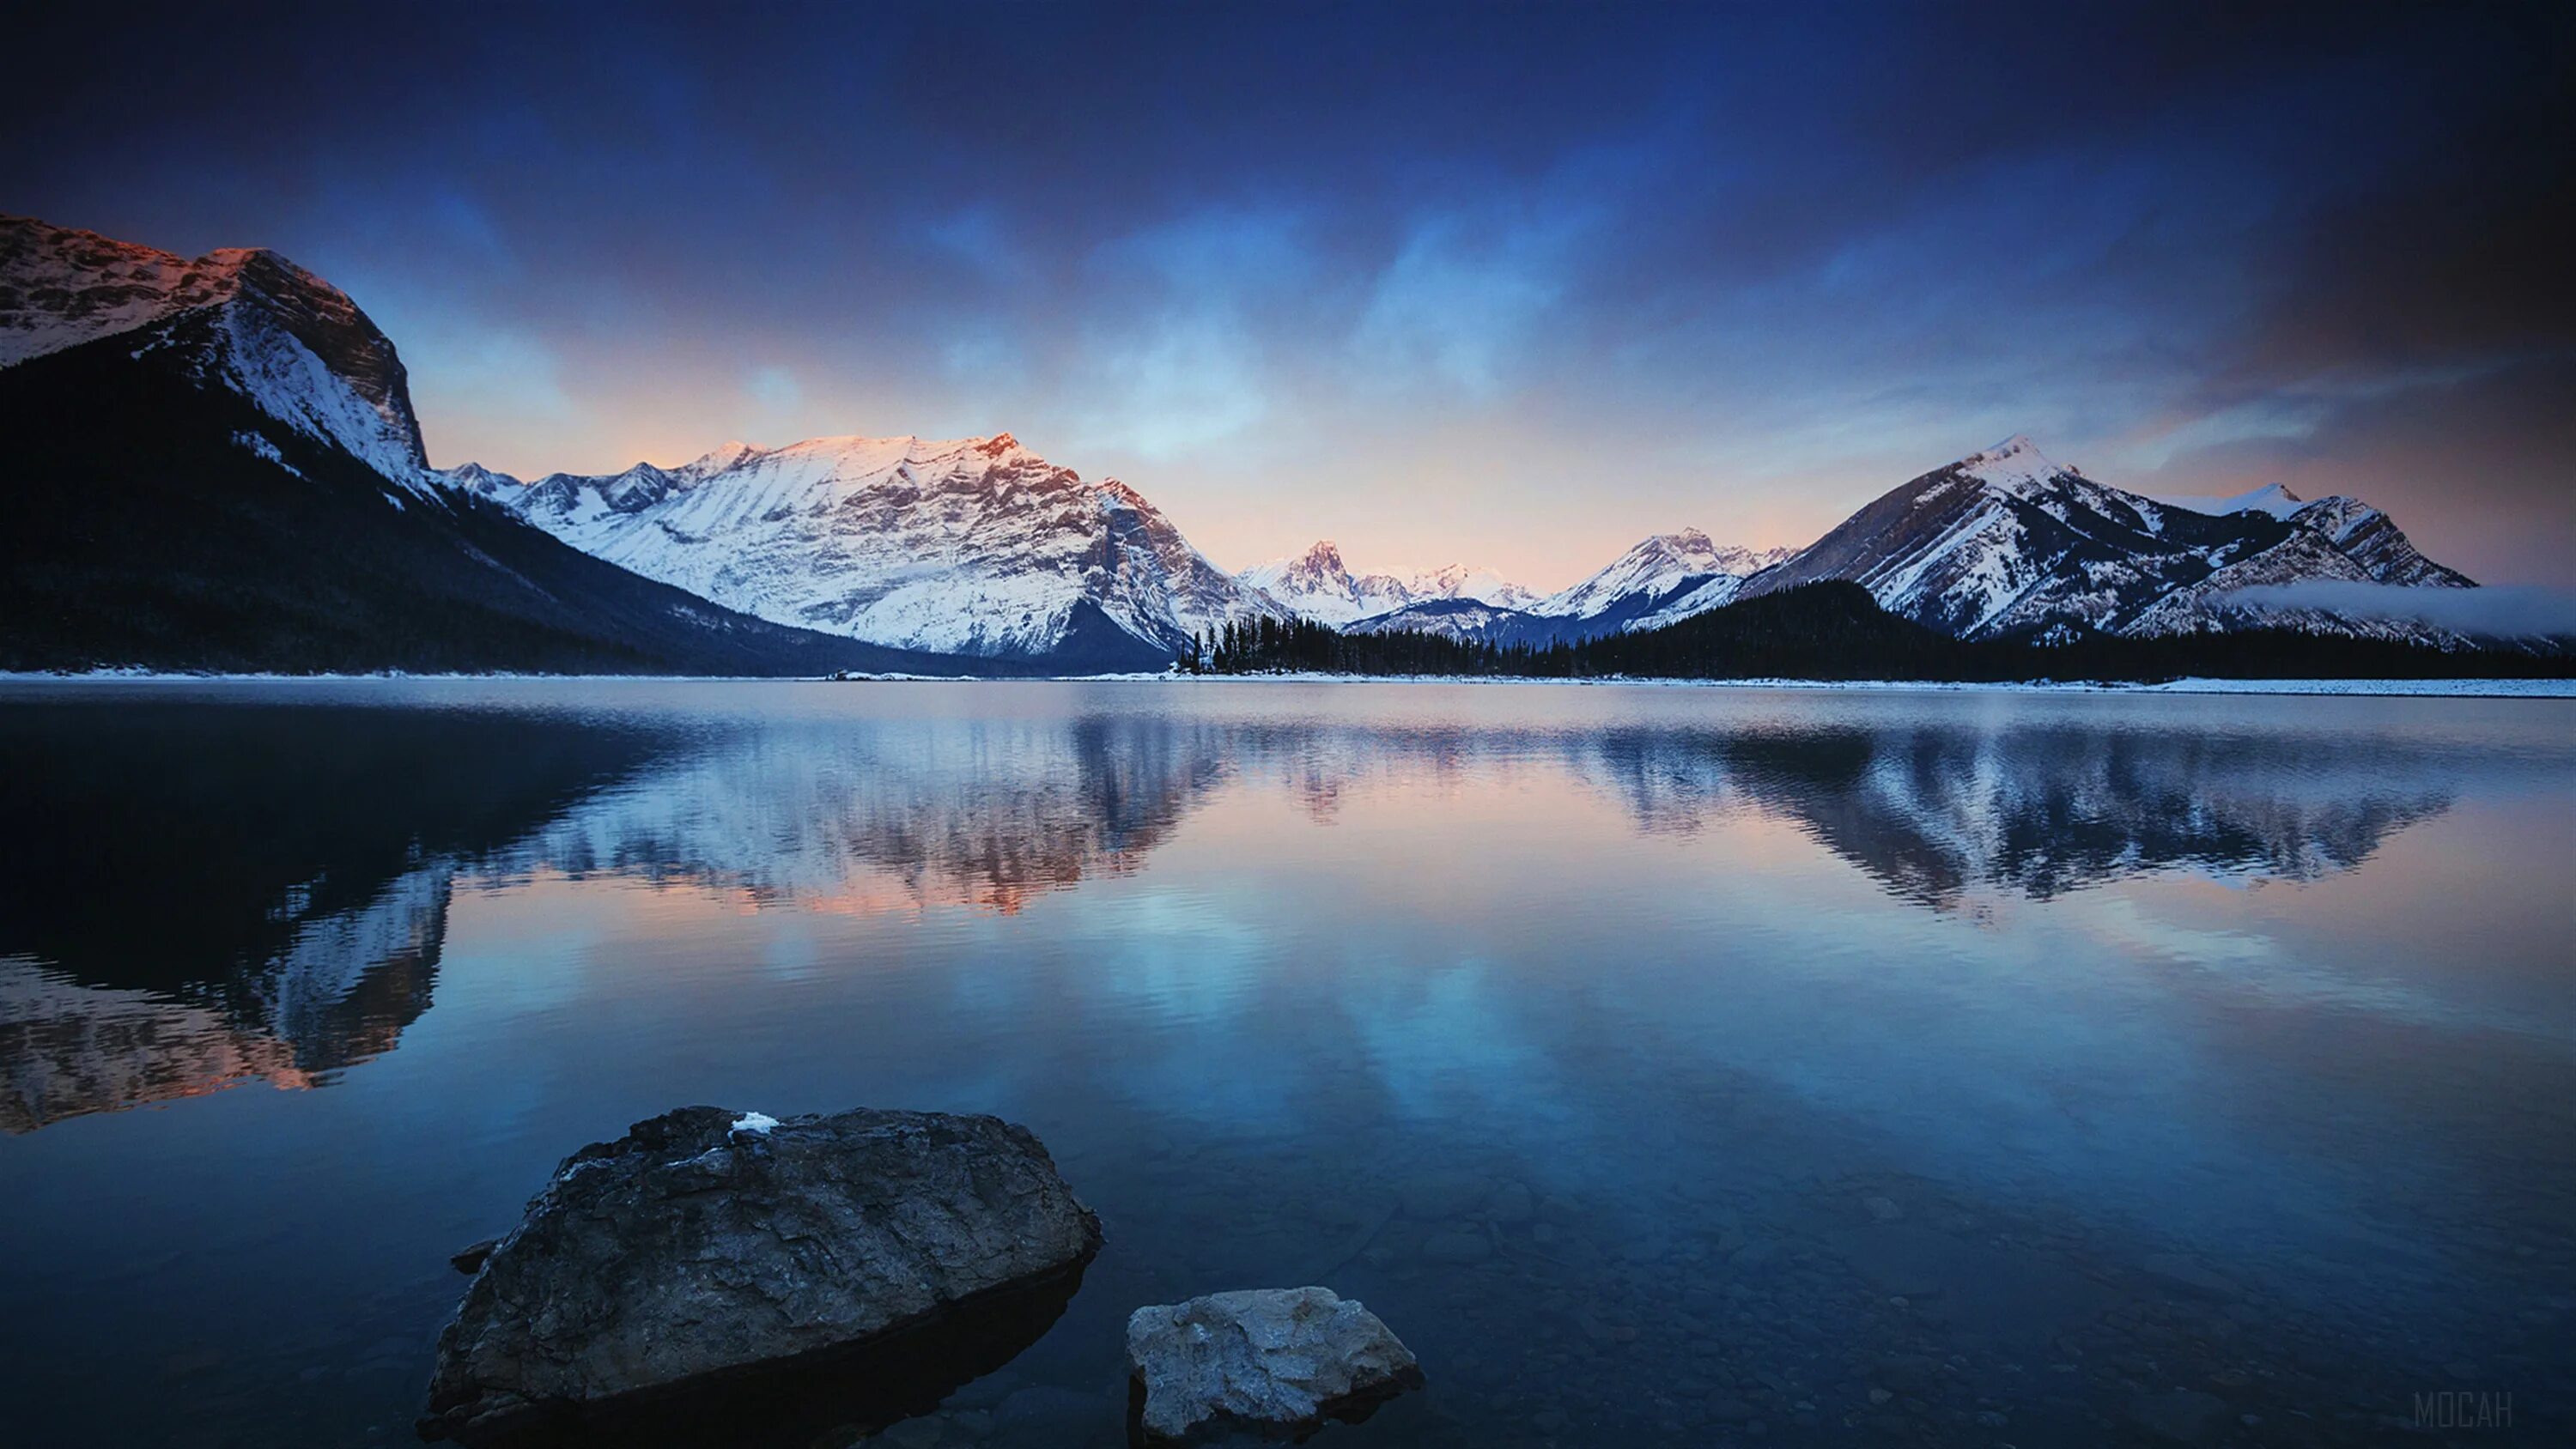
(1507, 284)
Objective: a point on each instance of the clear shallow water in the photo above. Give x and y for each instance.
(1665, 1065)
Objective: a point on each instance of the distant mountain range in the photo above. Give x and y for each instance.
(1315, 585)
(2005, 543)
(218, 466)
(1664, 579)
(975, 547)
(214, 464)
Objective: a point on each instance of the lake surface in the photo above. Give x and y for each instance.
(1665, 1065)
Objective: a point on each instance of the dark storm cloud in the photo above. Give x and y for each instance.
(1417, 268)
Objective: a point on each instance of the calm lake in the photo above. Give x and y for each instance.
(1665, 1065)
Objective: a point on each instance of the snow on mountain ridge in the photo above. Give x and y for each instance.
(1317, 585)
(979, 546)
(2271, 498)
(972, 546)
(2005, 543)
(1653, 569)
(291, 343)
(2014, 464)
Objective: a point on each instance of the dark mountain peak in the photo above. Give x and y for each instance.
(247, 314)
(325, 320)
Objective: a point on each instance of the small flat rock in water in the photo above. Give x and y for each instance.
(707, 1241)
(1279, 1360)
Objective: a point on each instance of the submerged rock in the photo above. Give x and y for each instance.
(1281, 1360)
(708, 1243)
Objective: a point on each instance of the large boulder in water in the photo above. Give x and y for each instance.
(1273, 1361)
(708, 1243)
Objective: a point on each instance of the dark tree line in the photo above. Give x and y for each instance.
(1273, 646)
(1836, 631)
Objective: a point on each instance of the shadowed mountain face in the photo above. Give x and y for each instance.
(2005, 543)
(213, 894)
(214, 464)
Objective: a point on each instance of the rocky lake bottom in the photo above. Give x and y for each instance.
(1665, 1067)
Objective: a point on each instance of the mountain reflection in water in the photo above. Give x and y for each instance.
(216, 896)
(261, 891)
(1966, 1067)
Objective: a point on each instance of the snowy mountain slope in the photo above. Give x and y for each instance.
(1459, 581)
(1656, 569)
(1469, 621)
(1317, 585)
(2006, 543)
(290, 343)
(1714, 592)
(972, 546)
(478, 481)
(2271, 498)
(2370, 538)
(2373, 540)
(1667, 578)
(214, 465)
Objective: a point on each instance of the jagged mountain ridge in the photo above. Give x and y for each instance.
(215, 465)
(974, 547)
(247, 319)
(2006, 543)
(1317, 585)
(1047, 572)
(1634, 590)
(1657, 569)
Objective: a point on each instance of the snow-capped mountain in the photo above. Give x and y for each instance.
(1712, 593)
(1317, 585)
(1665, 579)
(1656, 575)
(1469, 621)
(214, 464)
(973, 546)
(2368, 538)
(1459, 581)
(2007, 543)
(1654, 569)
(292, 345)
